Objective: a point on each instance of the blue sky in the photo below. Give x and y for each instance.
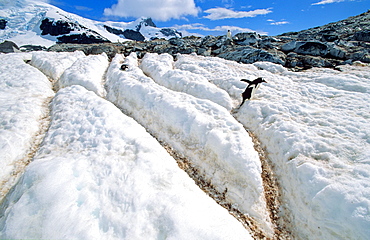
(215, 17)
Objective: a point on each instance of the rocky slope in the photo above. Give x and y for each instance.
(331, 45)
(327, 46)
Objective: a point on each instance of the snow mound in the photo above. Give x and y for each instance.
(204, 131)
(24, 94)
(53, 64)
(87, 72)
(160, 68)
(223, 73)
(100, 175)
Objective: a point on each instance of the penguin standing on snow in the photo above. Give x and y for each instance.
(251, 88)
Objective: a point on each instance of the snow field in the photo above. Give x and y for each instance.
(205, 132)
(88, 72)
(53, 64)
(100, 175)
(24, 94)
(315, 126)
(160, 69)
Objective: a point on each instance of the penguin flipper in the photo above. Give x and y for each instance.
(245, 80)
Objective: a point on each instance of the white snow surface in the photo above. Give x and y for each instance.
(160, 68)
(88, 72)
(215, 142)
(24, 95)
(53, 64)
(315, 126)
(100, 175)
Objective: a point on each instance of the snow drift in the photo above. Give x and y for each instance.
(87, 72)
(160, 68)
(205, 132)
(315, 127)
(100, 175)
(24, 95)
(313, 124)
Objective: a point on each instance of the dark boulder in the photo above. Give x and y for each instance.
(311, 48)
(247, 38)
(2, 24)
(362, 36)
(8, 47)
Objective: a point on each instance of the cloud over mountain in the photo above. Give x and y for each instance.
(158, 10)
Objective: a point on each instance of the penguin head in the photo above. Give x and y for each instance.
(260, 80)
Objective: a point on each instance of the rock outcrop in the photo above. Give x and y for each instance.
(333, 44)
(8, 47)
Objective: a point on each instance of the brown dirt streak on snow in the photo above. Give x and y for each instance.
(272, 192)
(21, 164)
(206, 185)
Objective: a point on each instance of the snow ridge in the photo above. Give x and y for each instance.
(179, 118)
(99, 174)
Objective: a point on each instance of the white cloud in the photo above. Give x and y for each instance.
(327, 2)
(222, 13)
(278, 23)
(162, 10)
(220, 29)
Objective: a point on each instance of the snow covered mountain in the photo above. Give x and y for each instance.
(27, 22)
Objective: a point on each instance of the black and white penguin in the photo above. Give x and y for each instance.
(251, 88)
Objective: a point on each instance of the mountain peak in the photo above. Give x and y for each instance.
(26, 22)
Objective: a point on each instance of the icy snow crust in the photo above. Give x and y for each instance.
(88, 72)
(24, 95)
(315, 126)
(99, 175)
(206, 132)
(160, 69)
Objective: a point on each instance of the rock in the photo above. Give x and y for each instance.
(30, 48)
(62, 29)
(2, 24)
(171, 32)
(133, 35)
(251, 55)
(82, 38)
(113, 30)
(290, 46)
(8, 47)
(362, 36)
(247, 38)
(311, 48)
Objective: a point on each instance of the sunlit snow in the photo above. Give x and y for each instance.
(99, 174)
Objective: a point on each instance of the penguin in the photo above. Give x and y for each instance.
(251, 88)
